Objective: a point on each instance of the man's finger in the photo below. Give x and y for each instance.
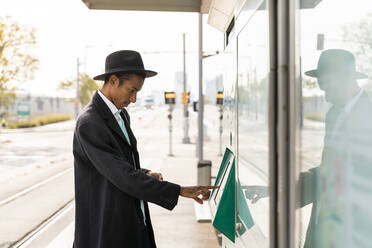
(208, 187)
(199, 192)
(197, 199)
(206, 196)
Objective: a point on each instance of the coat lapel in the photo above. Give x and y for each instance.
(107, 115)
(132, 139)
(113, 124)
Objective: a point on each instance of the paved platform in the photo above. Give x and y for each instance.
(177, 228)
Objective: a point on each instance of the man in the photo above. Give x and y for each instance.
(346, 159)
(336, 186)
(111, 188)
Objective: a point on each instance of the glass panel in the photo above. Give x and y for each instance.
(253, 59)
(229, 107)
(334, 128)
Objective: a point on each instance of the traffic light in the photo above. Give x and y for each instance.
(185, 97)
(170, 97)
(219, 98)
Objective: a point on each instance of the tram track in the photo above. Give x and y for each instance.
(40, 236)
(33, 187)
(23, 213)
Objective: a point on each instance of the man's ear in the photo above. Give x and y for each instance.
(113, 80)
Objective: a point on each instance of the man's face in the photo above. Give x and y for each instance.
(334, 87)
(126, 93)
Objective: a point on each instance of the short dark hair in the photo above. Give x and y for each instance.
(123, 76)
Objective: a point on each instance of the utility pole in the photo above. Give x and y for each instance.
(186, 138)
(204, 166)
(170, 99)
(219, 103)
(170, 129)
(200, 102)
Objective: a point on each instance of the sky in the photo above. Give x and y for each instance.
(67, 31)
(329, 18)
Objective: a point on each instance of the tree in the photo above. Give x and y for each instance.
(16, 63)
(87, 87)
(358, 36)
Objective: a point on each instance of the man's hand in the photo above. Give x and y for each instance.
(157, 175)
(195, 191)
(255, 192)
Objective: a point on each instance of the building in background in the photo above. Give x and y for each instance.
(36, 105)
(212, 86)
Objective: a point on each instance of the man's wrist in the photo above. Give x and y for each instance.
(181, 190)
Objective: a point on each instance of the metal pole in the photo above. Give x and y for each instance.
(220, 130)
(170, 138)
(170, 130)
(186, 139)
(201, 106)
(272, 6)
(204, 166)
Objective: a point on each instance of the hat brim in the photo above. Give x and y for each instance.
(315, 74)
(146, 73)
(312, 73)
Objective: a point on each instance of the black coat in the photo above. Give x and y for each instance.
(108, 186)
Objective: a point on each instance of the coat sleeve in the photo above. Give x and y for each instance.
(95, 143)
(308, 187)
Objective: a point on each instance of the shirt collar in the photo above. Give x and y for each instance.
(353, 101)
(109, 104)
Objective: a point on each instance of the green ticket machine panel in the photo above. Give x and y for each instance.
(224, 201)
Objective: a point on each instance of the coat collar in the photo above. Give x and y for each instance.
(106, 114)
(109, 104)
(125, 116)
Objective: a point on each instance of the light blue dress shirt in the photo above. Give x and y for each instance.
(121, 124)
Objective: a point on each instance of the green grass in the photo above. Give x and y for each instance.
(39, 121)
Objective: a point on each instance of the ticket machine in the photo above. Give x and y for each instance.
(229, 216)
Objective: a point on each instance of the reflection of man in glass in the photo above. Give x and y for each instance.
(338, 187)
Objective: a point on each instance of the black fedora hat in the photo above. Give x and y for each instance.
(336, 62)
(124, 61)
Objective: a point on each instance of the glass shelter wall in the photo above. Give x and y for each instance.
(333, 145)
(252, 147)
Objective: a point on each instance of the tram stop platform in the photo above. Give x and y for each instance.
(177, 228)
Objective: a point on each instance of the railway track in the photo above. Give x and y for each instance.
(33, 187)
(24, 213)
